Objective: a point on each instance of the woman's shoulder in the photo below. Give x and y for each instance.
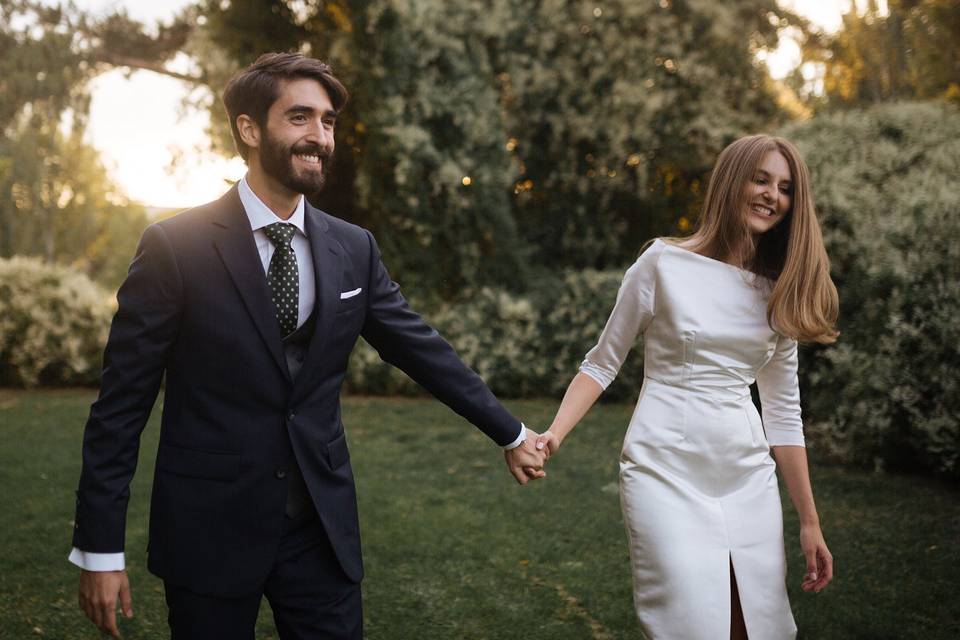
(646, 262)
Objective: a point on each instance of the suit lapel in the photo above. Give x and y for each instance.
(328, 268)
(237, 249)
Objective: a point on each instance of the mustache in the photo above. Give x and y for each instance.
(312, 149)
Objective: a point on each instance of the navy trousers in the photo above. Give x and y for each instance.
(310, 595)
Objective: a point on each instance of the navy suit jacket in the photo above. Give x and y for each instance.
(196, 307)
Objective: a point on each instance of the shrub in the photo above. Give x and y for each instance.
(521, 346)
(887, 394)
(53, 324)
(493, 331)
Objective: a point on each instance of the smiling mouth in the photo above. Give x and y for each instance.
(309, 158)
(762, 210)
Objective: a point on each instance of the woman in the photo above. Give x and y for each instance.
(698, 487)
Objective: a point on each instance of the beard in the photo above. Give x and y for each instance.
(277, 162)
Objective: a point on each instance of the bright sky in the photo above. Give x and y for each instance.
(136, 121)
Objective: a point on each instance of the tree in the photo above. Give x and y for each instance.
(912, 52)
(483, 136)
(56, 200)
(60, 203)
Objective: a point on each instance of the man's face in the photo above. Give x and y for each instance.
(297, 143)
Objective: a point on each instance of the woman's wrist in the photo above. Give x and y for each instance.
(558, 437)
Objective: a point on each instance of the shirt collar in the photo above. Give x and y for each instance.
(260, 214)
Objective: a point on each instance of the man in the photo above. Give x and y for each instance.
(250, 306)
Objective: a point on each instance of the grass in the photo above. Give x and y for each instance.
(455, 549)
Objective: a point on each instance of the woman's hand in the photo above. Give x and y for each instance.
(819, 561)
(548, 443)
(548, 440)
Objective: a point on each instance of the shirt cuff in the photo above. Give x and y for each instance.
(97, 561)
(519, 440)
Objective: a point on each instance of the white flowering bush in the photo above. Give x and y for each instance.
(53, 324)
(885, 183)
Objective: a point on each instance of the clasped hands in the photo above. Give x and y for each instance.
(527, 460)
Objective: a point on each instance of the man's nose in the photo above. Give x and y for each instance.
(320, 136)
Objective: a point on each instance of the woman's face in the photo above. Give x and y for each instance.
(769, 193)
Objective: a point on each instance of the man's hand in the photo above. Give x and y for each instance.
(524, 461)
(99, 592)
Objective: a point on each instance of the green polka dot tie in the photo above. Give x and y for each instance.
(282, 275)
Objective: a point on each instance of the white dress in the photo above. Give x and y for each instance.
(698, 486)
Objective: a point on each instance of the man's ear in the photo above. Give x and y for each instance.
(249, 131)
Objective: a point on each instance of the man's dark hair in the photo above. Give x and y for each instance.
(253, 90)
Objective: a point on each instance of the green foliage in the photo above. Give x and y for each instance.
(887, 395)
(53, 324)
(616, 110)
(487, 142)
(912, 51)
(521, 345)
(56, 199)
(58, 202)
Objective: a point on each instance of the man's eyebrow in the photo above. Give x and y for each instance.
(302, 108)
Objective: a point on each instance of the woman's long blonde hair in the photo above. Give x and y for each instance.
(803, 303)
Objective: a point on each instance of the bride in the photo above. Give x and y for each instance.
(719, 310)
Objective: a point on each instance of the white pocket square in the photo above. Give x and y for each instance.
(350, 294)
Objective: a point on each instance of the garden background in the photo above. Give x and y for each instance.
(512, 157)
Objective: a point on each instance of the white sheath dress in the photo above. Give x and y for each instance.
(698, 486)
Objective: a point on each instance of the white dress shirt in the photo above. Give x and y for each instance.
(260, 215)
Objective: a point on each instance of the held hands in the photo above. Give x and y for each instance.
(99, 593)
(526, 461)
(819, 561)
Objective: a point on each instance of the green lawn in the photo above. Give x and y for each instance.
(455, 549)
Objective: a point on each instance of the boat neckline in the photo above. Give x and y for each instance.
(714, 260)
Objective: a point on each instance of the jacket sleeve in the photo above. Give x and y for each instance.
(403, 339)
(141, 335)
(779, 390)
(631, 315)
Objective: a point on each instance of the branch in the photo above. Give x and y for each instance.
(120, 60)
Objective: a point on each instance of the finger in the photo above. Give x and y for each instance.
(126, 599)
(94, 614)
(110, 619)
(519, 475)
(811, 557)
(826, 569)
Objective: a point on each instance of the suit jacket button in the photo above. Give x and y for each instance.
(291, 416)
(280, 474)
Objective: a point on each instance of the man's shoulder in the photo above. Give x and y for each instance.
(346, 233)
(188, 220)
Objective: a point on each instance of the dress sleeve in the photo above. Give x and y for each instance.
(631, 314)
(780, 395)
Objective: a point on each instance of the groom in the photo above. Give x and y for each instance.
(250, 306)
